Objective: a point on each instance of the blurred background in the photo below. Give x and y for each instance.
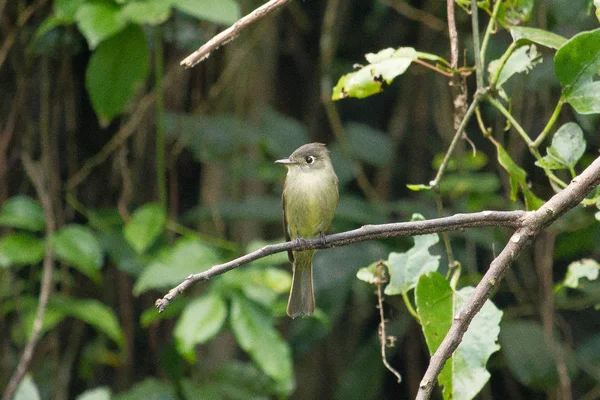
(152, 172)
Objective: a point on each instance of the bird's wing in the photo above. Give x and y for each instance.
(286, 232)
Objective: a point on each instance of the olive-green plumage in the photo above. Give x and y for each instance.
(310, 198)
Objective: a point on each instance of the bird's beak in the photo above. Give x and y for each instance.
(285, 161)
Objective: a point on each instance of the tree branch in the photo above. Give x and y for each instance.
(512, 219)
(532, 224)
(231, 33)
(38, 179)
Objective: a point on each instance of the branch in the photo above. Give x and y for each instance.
(231, 33)
(38, 179)
(512, 219)
(532, 224)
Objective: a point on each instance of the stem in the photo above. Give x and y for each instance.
(161, 181)
(550, 123)
(410, 307)
(489, 30)
(478, 66)
(435, 183)
(496, 75)
(512, 120)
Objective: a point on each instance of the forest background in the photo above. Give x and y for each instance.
(122, 172)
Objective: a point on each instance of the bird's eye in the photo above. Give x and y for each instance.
(309, 159)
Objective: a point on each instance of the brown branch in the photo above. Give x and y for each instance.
(380, 279)
(511, 219)
(38, 179)
(416, 14)
(532, 224)
(231, 33)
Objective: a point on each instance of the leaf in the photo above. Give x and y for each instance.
(418, 187)
(27, 390)
(98, 20)
(77, 246)
(93, 312)
(174, 264)
(522, 59)
(22, 212)
(20, 249)
(218, 11)
(568, 145)
(518, 179)
(528, 355)
(367, 274)
(99, 393)
(465, 373)
(585, 99)
(66, 10)
(539, 36)
(586, 268)
(578, 60)
(153, 12)
(368, 144)
(146, 224)
(149, 389)
(282, 134)
(116, 69)
(121, 253)
(406, 268)
(254, 331)
(514, 12)
(201, 320)
(385, 65)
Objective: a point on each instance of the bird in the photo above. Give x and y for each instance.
(310, 198)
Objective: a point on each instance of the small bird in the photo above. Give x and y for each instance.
(310, 198)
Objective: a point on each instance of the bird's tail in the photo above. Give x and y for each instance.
(302, 298)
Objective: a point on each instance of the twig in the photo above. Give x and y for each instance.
(511, 219)
(476, 47)
(39, 182)
(452, 33)
(532, 224)
(416, 14)
(380, 279)
(231, 33)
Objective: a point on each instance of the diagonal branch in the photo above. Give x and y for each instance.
(231, 33)
(512, 219)
(532, 224)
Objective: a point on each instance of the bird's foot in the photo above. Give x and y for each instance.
(322, 239)
(301, 241)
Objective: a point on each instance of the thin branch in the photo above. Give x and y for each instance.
(416, 14)
(380, 279)
(511, 219)
(476, 47)
(452, 33)
(231, 33)
(39, 182)
(492, 24)
(532, 224)
(550, 124)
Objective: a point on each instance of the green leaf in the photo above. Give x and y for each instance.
(20, 248)
(254, 331)
(153, 12)
(146, 224)
(367, 274)
(465, 374)
(152, 315)
(22, 212)
(578, 60)
(585, 99)
(77, 246)
(201, 320)
(27, 390)
(539, 36)
(518, 179)
(98, 315)
(66, 10)
(385, 65)
(368, 144)
(586, 268)
(99, 393)
(522, 59)
(418, 187)
(218, 11)
(406, 268)
(98, 20)
(174, 264)
(528, 355)
(568, 145)
(149, 389)
(115, 71)
(282, 134)
(514, 12)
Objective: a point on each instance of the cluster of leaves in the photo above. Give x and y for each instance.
(251, 297)
(113, 30)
